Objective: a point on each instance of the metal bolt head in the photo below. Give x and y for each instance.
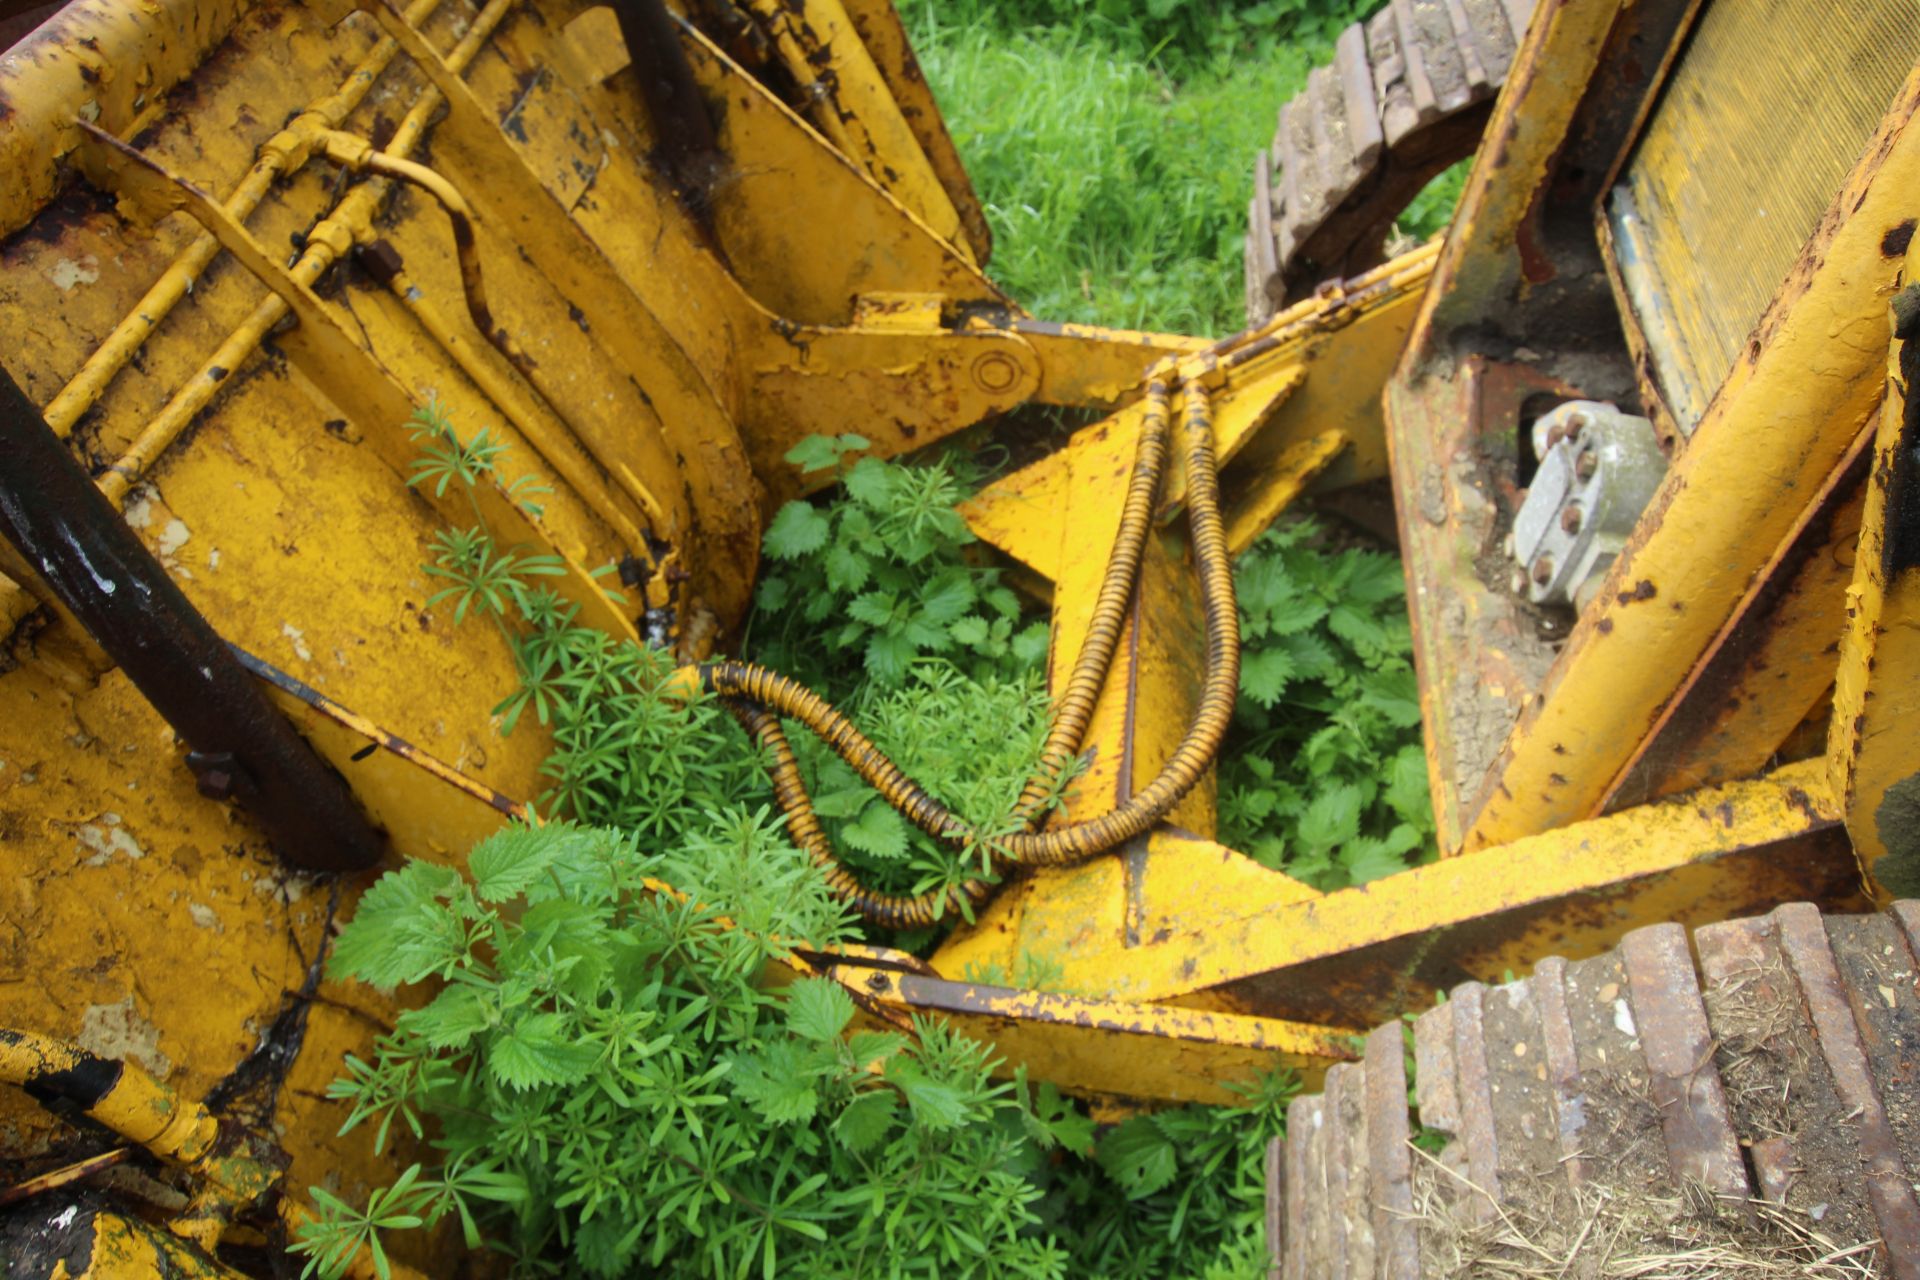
(1570, 519)
(1585, 465)
(1543, 571)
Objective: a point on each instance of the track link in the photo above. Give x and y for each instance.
(1407, 95)
(1629, 1115)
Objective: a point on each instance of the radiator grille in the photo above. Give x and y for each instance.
(1770, 106)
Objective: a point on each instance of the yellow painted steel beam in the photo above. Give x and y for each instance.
(1873, 748)
(1350, 955)
(850, 101)
(1144, 1052)
(72, 69)
(900, 386)
(1088, 366)
(1794, 401)
(428, 808)
(1278, 484)
(683, 366)
(885, 37)
(1316, 367)
(1771, 666)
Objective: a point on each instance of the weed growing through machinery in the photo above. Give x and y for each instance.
(1323, 776)
(607, 1081)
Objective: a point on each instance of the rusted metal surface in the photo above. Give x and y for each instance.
(78, 544)
(1771, 665)
(885, 37)
(1672, 1025)
(1770, 435)
(1170, 1054)
(1873, 761)
(108, 63)
(682, 129)
(78, 1171)
(1480, 650)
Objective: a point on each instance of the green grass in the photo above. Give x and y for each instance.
(1112, 143)
(1116, 178)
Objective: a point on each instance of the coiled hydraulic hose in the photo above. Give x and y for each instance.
(758, 697)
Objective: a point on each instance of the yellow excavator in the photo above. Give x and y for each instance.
(1643, 412)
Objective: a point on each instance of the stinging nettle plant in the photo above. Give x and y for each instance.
(1323, 775)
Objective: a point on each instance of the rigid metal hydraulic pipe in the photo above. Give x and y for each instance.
(69, 534)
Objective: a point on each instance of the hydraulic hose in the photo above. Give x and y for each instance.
(1075, 706)
(758, 697)
(889, 910)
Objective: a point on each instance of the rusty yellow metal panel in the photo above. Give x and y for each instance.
(1723, 223)
(1873, 751)
(881, 30)
(1771, 437)
(1570, 888)
(1266, 404)
(1122, 1049)
(851, 102)
(1771, 668)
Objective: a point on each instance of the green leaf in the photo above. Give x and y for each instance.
(454, 1017)
(1139, 1156)
(935, 1103)
(1056, 1121)
(1395, 694)
(847, 568)
(402, 930)
(947, 597)
(1406, 790)
(540, 1050)
(1264, 675)
(869, 1048)
(888, 657)
(821, 453)
(970, 631)
(880, 832)
(1367, 858)
(1376, 579)
(1361, 630)
(818, 1009)
(870, 483)
(1332, 817)
(505, 863)
(866, 1120)
(799, 529)
(1031, 642)
(875, 608)
(775, 1086)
